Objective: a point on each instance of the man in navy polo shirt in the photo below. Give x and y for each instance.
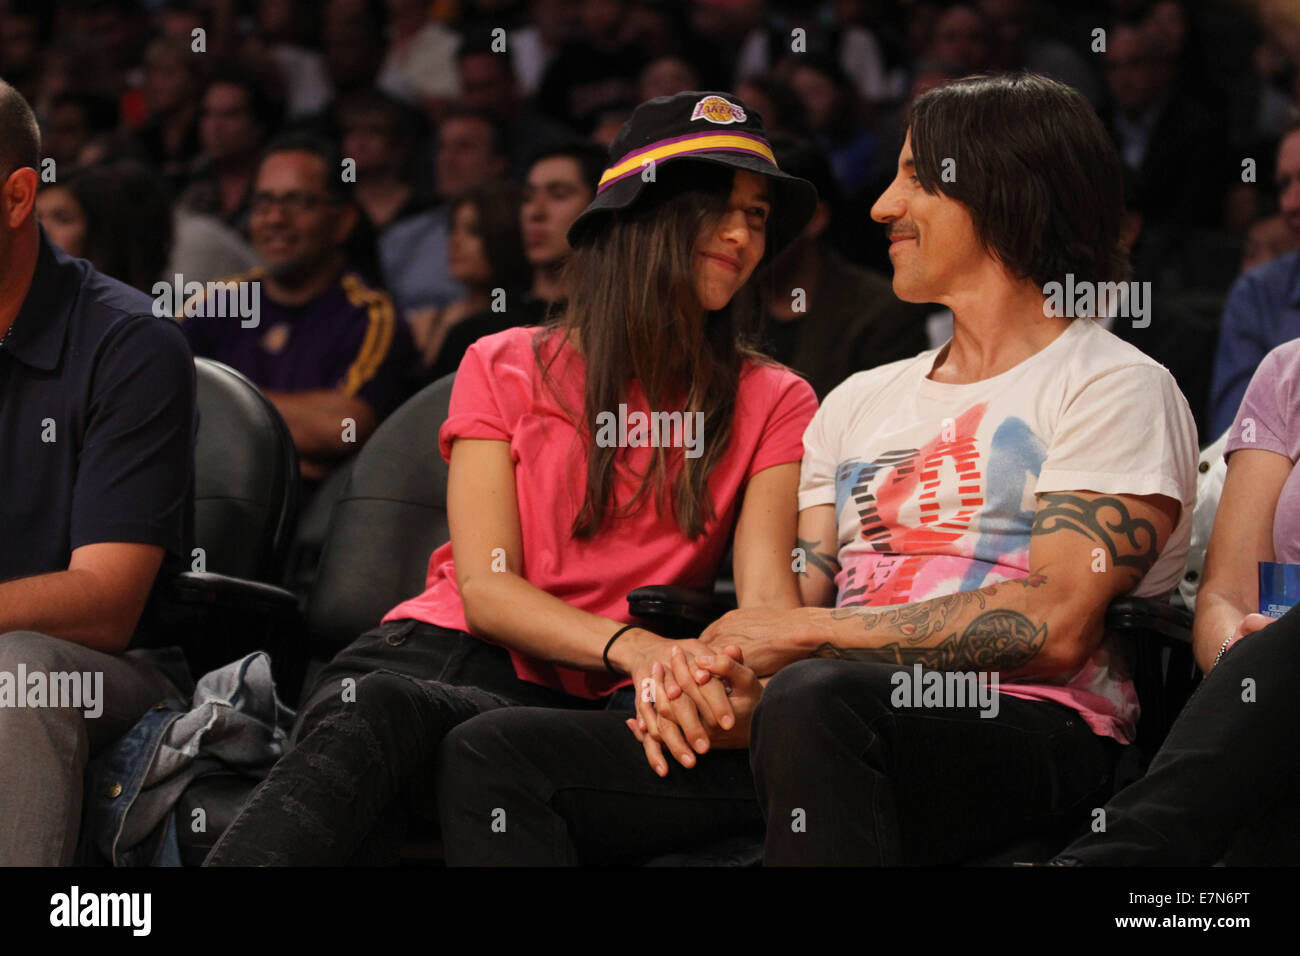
(96, 494)
(331, 354)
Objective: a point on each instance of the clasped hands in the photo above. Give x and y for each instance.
(691, 699)
(696, 695)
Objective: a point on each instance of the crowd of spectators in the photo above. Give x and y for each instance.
(397, 179)
(470, 132)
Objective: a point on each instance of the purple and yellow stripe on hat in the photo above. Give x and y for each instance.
(708, 141)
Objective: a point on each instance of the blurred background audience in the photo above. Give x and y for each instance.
(470, 132)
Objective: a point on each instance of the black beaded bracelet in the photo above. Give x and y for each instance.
(617, 635)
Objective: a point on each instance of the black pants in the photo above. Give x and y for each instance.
(1229, 770)
(362, 764)
(839, 775)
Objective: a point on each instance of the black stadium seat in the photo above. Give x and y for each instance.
(245, 477)
(389, 517)
(387, 520)
(245, 506)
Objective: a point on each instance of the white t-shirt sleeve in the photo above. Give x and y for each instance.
(821, 453)
(1128, 431)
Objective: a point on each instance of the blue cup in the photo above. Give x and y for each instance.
(1279, 588)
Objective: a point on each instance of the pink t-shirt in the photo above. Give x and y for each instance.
(499, 395)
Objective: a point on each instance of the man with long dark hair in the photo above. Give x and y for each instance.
(969, 512)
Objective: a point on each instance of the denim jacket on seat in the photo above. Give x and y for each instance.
(234, 722)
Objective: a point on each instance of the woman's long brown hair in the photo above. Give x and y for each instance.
(629, 289)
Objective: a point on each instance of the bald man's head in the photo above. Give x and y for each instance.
(20, 148)
(20, 139)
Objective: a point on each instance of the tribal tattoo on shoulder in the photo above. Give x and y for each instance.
(1105, 520)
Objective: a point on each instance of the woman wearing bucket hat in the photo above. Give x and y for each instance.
(618, 446)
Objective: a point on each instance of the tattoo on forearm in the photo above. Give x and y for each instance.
(995, 640)
(824, 561)
(915, 622)
(1105, 520)
(922, 620)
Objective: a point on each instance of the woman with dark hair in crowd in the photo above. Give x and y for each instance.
(116, 215)
(560, 499)
(485, 253)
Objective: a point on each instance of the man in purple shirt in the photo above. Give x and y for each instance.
(330, 353)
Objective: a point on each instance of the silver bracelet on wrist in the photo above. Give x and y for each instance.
(1223, 649)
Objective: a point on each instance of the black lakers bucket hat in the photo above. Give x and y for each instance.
(702, 127)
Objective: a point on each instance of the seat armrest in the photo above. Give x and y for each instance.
(205, 589)
(215, 619)
(1127, 615)
(1156, 640)
(700, 608)
(676, 611)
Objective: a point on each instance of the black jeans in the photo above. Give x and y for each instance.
(1228, 771)
(838, 773)
(362, 763)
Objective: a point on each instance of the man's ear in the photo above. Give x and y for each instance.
(18, 196)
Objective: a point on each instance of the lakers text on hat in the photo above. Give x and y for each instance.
(717, 110)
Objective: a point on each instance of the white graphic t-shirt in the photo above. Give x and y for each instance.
(934, 484)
